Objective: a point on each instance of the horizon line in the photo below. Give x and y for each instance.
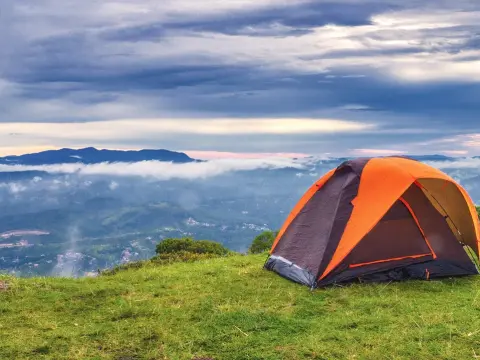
(220, 154)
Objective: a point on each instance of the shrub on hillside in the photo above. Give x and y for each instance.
(188, 245)
(262, 242)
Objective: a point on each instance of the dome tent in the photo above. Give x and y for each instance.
(378, 219)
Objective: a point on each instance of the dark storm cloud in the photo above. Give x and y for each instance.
(297, 20)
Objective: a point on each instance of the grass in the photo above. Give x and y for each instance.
(230, 308)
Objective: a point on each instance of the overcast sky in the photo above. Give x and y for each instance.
(263, 76)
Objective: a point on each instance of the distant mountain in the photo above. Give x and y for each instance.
(422, 158)
(91, 155)
(432, 158)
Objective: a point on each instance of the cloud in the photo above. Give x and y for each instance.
(399, 39)
(455, 152)
(471, 140)
(395, 64)
(463, 144)
(113, 185)
(280, 19)
(464, 163)
(377, 152)
(356, 107)
(401, 43)
(164, 170)
(61, 134)
(13, 187)
(208, 155)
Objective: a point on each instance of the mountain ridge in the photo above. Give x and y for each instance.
(91, 155)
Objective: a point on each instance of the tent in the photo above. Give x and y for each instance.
(378, 219)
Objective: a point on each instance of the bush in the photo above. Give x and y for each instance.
(188, 245)
(263, 242)
(172, 245)
(208, 247)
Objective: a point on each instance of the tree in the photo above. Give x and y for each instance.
(263, 242)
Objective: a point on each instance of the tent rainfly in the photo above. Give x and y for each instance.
(378, 219)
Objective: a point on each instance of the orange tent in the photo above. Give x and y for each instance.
(378, 219)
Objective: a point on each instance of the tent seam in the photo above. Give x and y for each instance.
(333, 222)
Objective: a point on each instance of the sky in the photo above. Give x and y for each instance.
(241, 77)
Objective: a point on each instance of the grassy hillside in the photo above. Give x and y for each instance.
(229, 308)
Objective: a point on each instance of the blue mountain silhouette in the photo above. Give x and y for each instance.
(92, 155)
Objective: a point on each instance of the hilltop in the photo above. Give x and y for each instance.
(230, 308)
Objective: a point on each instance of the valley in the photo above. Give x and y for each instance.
(77, 223)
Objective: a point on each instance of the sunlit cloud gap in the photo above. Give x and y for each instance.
(207, 155)
(377, 152)
(129, 127)
(17, 138)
